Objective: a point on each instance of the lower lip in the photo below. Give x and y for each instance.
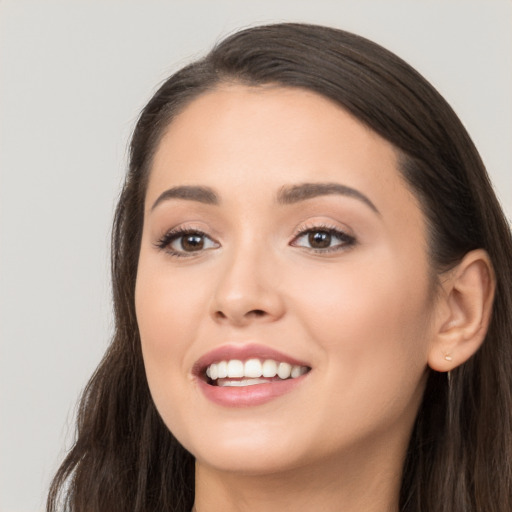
(247, 396)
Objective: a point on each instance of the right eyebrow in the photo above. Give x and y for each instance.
(204, 195)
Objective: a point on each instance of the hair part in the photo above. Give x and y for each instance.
(460, 452)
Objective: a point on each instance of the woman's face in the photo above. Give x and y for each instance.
(279, 232)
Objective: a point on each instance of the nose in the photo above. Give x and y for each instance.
(247, 291)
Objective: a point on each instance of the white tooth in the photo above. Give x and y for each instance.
(284, 370)
(252, 368)
(296, 371)
(222, 370)
(269, 368)
(235, 369)
(239, 383)
(208, 372)
(213, 371)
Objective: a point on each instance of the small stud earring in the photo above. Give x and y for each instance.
(448, 358)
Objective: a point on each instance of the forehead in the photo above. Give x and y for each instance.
(271, 131)
(274, 135)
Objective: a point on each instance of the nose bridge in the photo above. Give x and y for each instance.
(248, 284)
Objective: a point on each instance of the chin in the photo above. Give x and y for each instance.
(252, 462)
(255, 449)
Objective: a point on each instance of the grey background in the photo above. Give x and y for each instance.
(73, 76)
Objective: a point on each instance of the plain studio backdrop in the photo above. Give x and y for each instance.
(74, 75)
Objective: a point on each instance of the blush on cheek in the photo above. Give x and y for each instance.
(366, 315)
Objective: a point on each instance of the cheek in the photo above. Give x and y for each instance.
(370, 319)
(168, 308)
(168, 312)
(373, 331)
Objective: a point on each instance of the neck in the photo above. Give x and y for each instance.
(364, 484)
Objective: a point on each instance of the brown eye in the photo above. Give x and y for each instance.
(319, 239)
(323, 240)
(186, 242)
(192, 242)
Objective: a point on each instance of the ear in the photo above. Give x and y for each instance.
(463, 311)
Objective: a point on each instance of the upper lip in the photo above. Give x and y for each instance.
(242, 352)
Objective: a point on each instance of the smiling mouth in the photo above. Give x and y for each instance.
(238, 373)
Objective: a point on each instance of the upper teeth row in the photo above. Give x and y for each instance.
(254, 368)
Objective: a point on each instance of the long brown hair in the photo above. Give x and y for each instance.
(460, 453)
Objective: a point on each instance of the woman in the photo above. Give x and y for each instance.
(312, 289)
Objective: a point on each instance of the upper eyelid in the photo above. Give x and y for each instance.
(186, 227)
(323, 226)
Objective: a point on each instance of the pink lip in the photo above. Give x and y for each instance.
(245, 396)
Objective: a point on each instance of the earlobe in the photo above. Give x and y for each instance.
(464, 312)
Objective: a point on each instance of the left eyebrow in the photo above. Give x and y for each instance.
(296, 193)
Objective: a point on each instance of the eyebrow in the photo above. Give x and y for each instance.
(296, 193)
(191, 193)
(287, 195)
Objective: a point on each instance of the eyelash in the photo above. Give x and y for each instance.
(173, 235)
(346, 240)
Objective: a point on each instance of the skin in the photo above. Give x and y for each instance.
(364, 316)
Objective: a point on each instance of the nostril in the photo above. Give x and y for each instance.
(253, 313)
